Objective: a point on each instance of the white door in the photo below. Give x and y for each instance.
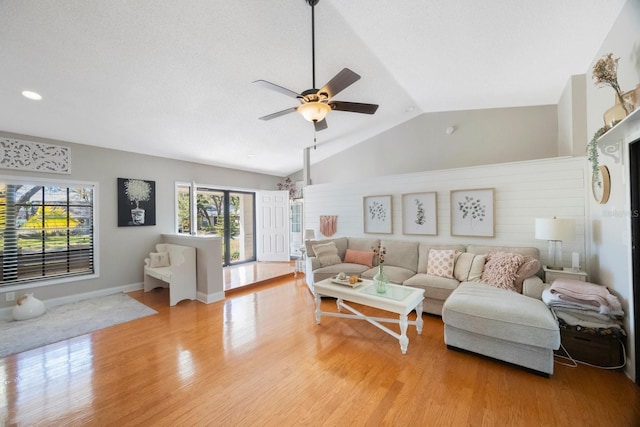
(272, 228)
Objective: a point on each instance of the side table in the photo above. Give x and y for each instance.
(300, 262)
(566, 273)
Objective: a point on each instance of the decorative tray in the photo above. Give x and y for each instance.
(345, 282)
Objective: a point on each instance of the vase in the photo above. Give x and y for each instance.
(137, 216)
(381, 281)
(28, 307)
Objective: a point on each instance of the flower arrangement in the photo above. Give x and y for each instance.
(380, 251)
(605, 73)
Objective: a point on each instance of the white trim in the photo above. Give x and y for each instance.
(209, 298)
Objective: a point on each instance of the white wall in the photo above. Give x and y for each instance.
(610, 223)
(572, 118)
(481, 137)
(523, 191)
(123, 249)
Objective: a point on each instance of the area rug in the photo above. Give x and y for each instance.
(69, 320)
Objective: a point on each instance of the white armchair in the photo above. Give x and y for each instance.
(172, 266)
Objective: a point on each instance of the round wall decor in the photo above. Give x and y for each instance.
(601, 185)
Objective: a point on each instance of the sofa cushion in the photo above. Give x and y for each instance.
(363, 244)
(423, 254)
(159, 259)
(527, 269)
(327, 253)
(359, 257)
(401, 254)
(333, 270)
(395, 274)
(434, 287)
(341, 244)
(469, 267)
(490, 311)
(441, 262)
(501, 268)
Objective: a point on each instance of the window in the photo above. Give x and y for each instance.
(225, 213)
(47, 230)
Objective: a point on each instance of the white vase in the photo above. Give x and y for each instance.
(28, 307)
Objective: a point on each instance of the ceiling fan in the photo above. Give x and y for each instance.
(315, 104)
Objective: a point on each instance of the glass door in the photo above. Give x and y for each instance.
(231, 215)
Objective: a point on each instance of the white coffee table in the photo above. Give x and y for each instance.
(397, 299)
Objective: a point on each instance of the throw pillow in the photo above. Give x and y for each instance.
(469, 267)
(527, 269)
(501, 268)
(327, 254)
(359, 257)
(159, 259)
(441, 262)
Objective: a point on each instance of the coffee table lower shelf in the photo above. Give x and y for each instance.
(400, 300)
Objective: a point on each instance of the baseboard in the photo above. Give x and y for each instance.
(209, 298)
(48, 303)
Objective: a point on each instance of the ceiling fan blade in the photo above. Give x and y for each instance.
(353, 107)
(273, 86)
(340, 82)
(321, 125)
(278, 114)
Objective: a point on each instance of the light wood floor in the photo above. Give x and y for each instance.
(259, 358)
(254, 273)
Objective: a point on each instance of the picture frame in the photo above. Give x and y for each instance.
(377, 214)
(136, 202)
(420, 213)
(473, 212)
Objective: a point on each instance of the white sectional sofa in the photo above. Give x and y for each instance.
(510, 325)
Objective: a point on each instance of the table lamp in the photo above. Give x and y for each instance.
(309, 234)
(555, 230)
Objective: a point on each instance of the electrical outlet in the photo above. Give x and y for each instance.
(10, 296)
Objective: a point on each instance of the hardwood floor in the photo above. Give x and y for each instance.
(259, 358)
(254, 274)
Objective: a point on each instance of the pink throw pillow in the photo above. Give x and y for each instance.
(501, 269)
(441, 262)
(359, 257)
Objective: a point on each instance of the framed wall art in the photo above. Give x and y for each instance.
(377, 214)
(136, 202)
(419, 213)
(472, 212)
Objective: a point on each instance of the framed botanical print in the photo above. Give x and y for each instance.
(472, 212)
(419, 213)
(377, 214)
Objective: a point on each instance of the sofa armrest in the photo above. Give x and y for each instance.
(313, 263)
(533, 287)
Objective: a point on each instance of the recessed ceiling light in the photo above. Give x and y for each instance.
(31, 95)
(251, 156)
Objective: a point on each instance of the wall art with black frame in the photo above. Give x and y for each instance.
(136, 202)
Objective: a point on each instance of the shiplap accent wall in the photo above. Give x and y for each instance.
(523, 191)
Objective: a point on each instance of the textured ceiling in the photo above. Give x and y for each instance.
(174, 79)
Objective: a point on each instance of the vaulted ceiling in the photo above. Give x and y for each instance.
(174, 78)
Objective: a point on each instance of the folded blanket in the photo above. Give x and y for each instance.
(556, 302)
(587, 321)
(586, 293)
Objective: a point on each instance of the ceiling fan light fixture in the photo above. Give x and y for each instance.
(314, 111)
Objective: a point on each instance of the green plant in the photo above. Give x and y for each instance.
(592, 152)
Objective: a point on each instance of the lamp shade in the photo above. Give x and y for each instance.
(555, 229)
(309, 234)
(314, 111)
